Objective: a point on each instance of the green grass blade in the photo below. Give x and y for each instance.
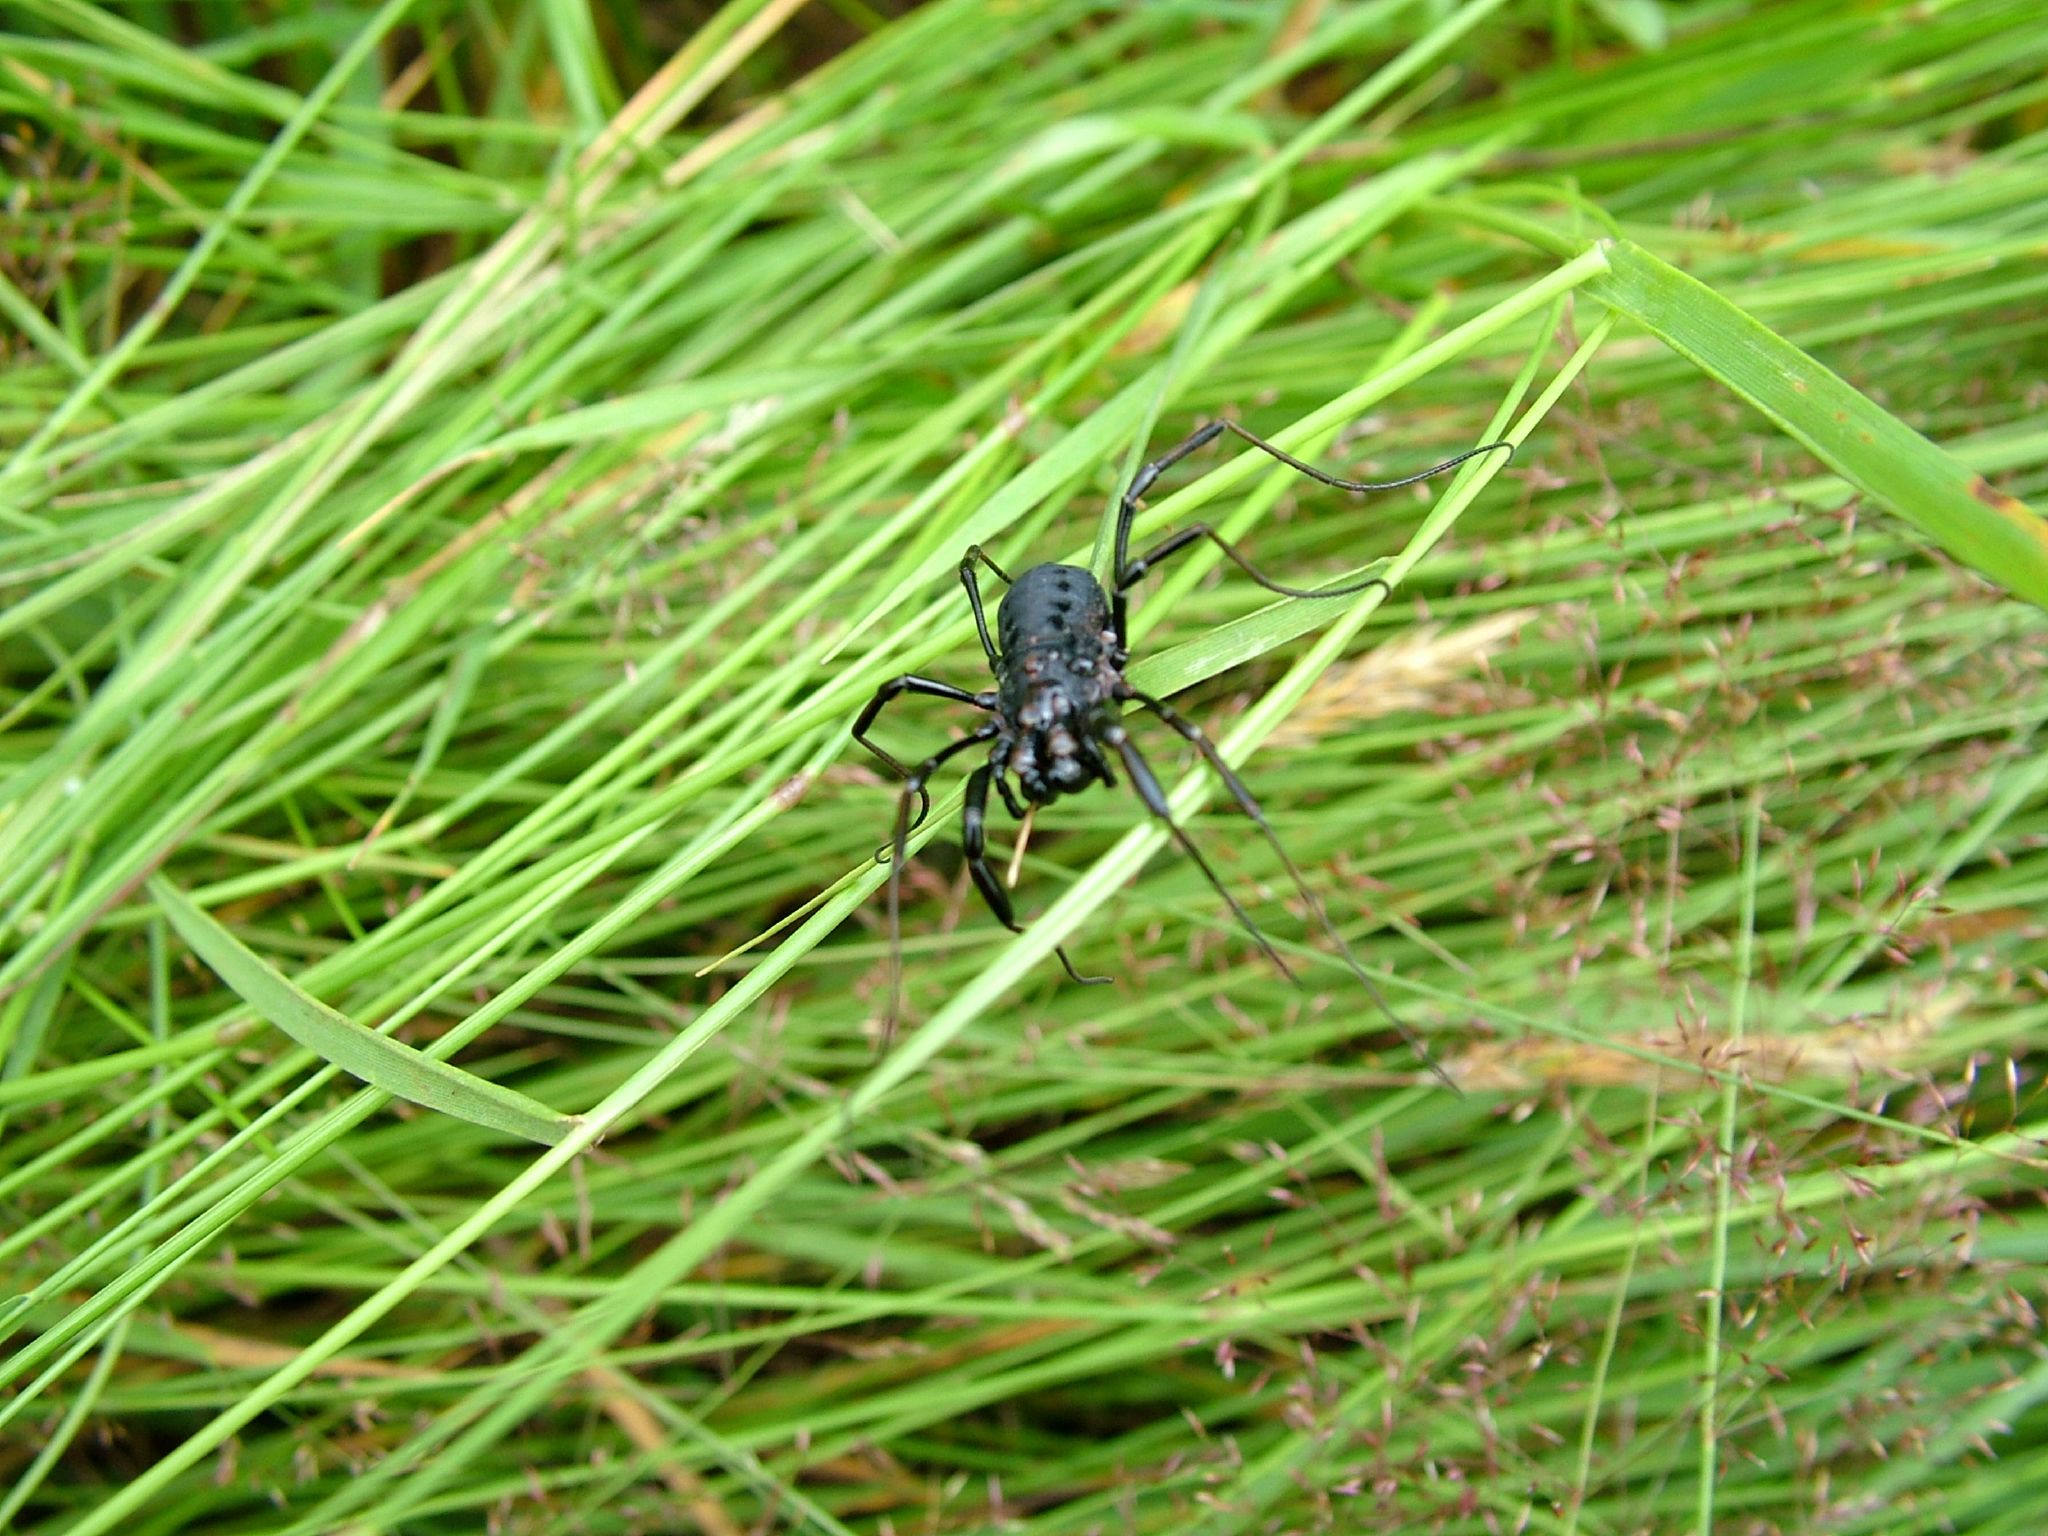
(1988, 530)
(376, 1059)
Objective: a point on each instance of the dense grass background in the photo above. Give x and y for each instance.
(468, 463)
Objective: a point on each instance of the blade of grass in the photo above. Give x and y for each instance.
(1993, 533)
(376, 1059)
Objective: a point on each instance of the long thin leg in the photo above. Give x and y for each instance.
(1129, 572)
(999, 768)
(974, 843)
(899, 848)
(931, 687)
(968, 580)
(1154, 798)
(1193, 735)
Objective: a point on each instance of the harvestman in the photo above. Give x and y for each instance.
(1056, 712)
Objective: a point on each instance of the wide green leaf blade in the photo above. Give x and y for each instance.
(1984, 528)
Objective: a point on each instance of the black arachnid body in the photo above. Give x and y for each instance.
(1059, 669)
(1056, 714)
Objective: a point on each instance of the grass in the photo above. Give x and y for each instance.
(467, 466)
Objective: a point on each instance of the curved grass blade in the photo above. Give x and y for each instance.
(377, 1059)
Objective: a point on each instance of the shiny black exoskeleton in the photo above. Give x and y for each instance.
(1056, 712)
(1059, 682)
